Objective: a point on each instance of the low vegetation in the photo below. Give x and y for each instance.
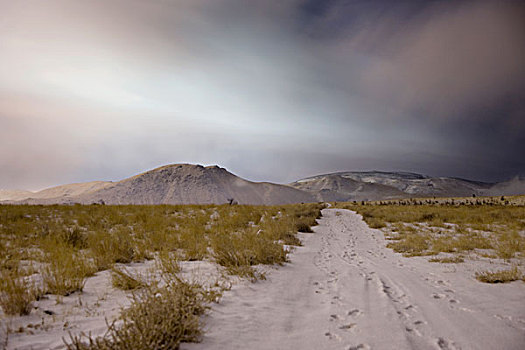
(158, 318)
(448, 260)
(62, 245)
(125, 280)
(502, 276)
(451, 229)
(17, 293)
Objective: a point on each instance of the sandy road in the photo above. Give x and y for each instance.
(345, 290)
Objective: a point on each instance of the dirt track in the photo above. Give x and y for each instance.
(345, 290)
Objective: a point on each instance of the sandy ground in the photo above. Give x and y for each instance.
(342, 290)
(345, 290)
(54, 319)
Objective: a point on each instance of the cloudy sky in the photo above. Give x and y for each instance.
(271, 90)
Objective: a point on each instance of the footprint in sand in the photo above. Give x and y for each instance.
(332, 336)
(354, 313)
(444, 344)
(347, 326)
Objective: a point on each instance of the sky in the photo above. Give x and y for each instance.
(271, 90)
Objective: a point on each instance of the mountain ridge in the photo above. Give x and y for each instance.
(185, 183)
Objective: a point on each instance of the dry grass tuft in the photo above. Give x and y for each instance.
(125, 280)
(109, 248)
(66, 271)
(17, 293)
(158, 318)
(448, 260)
(502, 276)
(426, 229)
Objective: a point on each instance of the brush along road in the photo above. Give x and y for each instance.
(345, 290)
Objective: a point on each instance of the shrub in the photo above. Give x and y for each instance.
(410, 245)
(509, 244)
(66, 272)
(158, 318)
(448, 260)
(168, 263)
(502, 276)
(237, 252)
(109, 248)
(302, 226)
(72, 237)
(123, 279)
(16, 293)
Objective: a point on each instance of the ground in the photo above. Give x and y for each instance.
(345, 290)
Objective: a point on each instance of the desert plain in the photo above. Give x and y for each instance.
(403, 274)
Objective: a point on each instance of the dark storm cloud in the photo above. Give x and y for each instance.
(270, 90)
(452, 68)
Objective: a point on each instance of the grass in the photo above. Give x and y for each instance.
(426, 229)
(502, 276)
(492, 228)
(410, 245)
(158, 318)
(125, 280)
(66, 273)
(117, 246)
(17, 293)
(70, 243)
(448, 260)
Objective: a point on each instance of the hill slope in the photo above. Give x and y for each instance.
(334, 187)
(375, 185)
(69, 190)
(186, 184)
(196, 184)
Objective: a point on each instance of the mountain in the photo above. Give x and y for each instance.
(196, 184)
(334, 187)
(184, 184)
(375, 185)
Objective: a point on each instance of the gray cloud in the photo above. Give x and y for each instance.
(271, 90)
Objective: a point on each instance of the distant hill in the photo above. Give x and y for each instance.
(14, 195)
(335, 187)
(184, 184)
(196, 184)
(375, 185)
(55, 192)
